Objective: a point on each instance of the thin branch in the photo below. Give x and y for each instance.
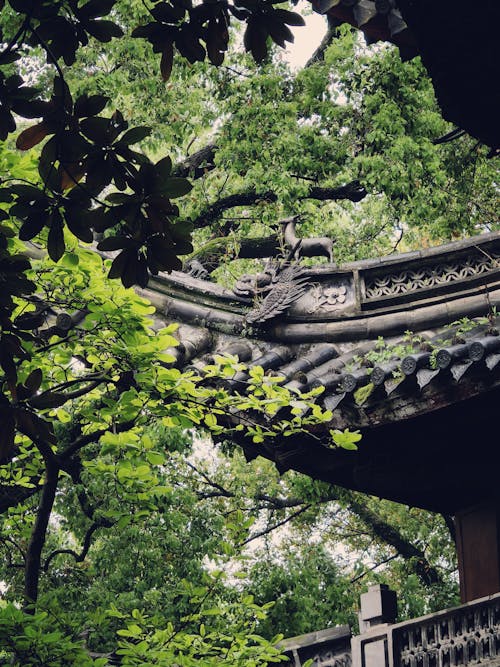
(224, 492)
(269, 529)
(374, 567)
(87, 541)
(9, 540)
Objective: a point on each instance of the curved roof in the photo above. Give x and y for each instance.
(406, 348)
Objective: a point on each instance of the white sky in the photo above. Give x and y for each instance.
(307, 38)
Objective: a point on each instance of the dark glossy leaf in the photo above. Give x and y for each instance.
(167, 60)
(255, 39)
(28, 192)
(31, 108)
(33, 381)
(47, 158)
(100, 219)
(142, 273)
(164, 167)
(55, 239)
(181, 231)
(176, 187)
(119, 263)
(280, 33)
(33, 226)
(98, 175)
(183, 248)
(91, 105)
(189, 45)
(31, 136)
(103, 31)
(217, 40)
(290, 18)
(70, 174)
(116, 243)
(78, 222)
(7, 123)
(147, 31)
(162, 257)
(95, 8)
(130, 270)
(135, 135)
(49, 399)
(119, 198)
(96, 129)
(167, 13)
(32, 320)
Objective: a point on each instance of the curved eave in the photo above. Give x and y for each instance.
(414, 291)
(418, 414)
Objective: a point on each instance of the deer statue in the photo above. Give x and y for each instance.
(311, 247)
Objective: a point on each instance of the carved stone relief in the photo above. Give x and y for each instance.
(326, 298)
(411, 280)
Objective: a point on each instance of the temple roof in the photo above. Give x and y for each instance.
(458, 43)
(406, 348)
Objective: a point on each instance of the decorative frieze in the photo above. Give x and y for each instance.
(423, 278)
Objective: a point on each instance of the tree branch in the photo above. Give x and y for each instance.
(414, 556)
(352, 191)
(374, 567)
(210, 253)
(319, 54)
(87, 541)
(270, 529)
(450, 524)
(10, 496)
(196, 165)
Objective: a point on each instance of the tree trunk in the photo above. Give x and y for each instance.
(38, 536)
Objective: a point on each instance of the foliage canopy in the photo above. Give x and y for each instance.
(96, 437)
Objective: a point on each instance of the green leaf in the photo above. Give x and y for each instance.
(346, 439)
(155, 458)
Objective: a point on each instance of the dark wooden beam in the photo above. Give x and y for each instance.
(478, 549)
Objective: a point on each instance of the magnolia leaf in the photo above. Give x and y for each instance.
(49, 399)
(55, 240)
(34, 380)
(176, 187)
(31, 136)
(167, 60)
(135, 135)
